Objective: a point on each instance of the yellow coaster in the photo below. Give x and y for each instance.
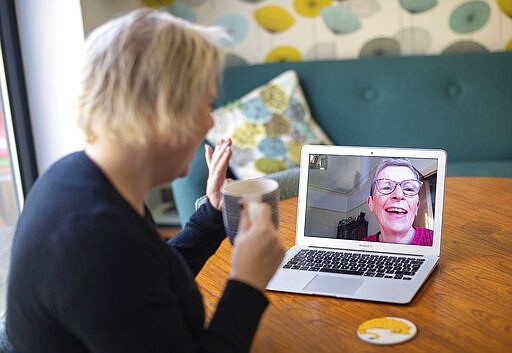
(386, 330)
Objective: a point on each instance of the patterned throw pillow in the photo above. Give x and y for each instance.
(268, 127)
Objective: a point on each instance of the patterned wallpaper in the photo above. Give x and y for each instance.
(291, 30)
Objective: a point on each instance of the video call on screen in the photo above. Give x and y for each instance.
(337, 193)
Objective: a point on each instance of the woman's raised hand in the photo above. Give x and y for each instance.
(218, 161)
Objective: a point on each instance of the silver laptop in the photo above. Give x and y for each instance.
(369, 223)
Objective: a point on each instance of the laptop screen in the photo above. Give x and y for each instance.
(370, 195)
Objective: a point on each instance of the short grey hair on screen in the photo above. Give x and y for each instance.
(393, 162)
(145, 73)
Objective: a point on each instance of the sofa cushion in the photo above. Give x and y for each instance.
(268, 127)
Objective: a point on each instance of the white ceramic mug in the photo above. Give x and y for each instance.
(250, 190)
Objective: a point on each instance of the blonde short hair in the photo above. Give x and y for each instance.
(144, 76)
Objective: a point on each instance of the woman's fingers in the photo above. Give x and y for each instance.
(217, 161)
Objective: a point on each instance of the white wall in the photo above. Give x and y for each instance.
(97, 12)
(52, 36)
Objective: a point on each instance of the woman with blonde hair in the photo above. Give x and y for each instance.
(89, 272)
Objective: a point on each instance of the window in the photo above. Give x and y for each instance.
(9, 201)
(18, 169)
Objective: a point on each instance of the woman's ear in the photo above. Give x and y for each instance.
(369, 201)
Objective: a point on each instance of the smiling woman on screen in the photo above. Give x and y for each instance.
(395, 202)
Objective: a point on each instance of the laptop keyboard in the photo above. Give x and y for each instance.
(358, 264)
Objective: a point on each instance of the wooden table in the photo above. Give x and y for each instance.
(465, 305)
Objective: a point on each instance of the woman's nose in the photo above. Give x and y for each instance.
(398, 192)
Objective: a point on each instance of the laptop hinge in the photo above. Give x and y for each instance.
(365, 251)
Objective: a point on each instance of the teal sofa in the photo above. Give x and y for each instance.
(461, 103)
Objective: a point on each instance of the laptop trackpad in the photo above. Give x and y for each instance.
(333, 285)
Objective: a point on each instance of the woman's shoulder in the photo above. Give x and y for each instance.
(424, 231)
(74, 166)
(423, 236)
(372, 237)
(80, 209)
